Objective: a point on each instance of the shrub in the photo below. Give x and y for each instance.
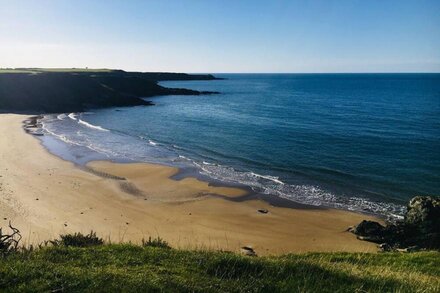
(156, 242)
(9, 242)
(79, 240)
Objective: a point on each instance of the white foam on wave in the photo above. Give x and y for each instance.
(100, 150)
(91, 125)
(265, 184)
(268, 177)
(305, 194)
(59, 136)
(72, 116)
(150, 142)
(61, 116)
(81, 143)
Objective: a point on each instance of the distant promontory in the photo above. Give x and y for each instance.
(75, 90)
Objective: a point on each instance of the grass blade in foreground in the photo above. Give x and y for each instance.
(134, 268)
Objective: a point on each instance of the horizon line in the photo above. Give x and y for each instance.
(212, 72)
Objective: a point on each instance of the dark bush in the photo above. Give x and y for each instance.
(156, 242)
(79, 240)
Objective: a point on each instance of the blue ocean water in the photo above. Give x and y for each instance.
(364, 142)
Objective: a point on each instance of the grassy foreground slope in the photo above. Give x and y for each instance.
(131, 268)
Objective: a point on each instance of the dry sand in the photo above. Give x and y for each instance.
(44, 196)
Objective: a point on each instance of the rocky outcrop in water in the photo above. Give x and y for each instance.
(420, 228)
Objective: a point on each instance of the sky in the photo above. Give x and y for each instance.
(222, 36)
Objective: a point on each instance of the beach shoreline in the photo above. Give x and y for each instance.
(45, 196)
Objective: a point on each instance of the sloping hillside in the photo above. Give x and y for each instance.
(129, 268)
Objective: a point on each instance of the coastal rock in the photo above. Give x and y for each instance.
(408, 249)
(419, 230)
(369, 228)
(422, 222)
(385, 247)
(424, 212)
(263, 211)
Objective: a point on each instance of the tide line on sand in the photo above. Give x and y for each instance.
(184, 212)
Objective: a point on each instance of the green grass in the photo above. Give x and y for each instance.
(60, 70)
(155, 242)
(71, 69)
(8, 70)
(131, 268)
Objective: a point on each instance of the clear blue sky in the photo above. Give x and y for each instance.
(223, 36)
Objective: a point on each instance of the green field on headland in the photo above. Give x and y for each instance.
(130, 268)
(42, 70)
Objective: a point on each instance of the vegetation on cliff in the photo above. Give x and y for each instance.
(130, 268)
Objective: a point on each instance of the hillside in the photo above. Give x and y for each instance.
(70, 90)
(129, 268)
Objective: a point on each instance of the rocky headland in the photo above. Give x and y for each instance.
(48, 91)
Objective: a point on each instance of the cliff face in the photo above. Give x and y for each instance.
(77, 91)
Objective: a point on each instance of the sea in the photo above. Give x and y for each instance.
(360, 142)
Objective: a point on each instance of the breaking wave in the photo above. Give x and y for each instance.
(111, 146)
(305, 194)
(72, 116)
(61, 116)
(91, 125)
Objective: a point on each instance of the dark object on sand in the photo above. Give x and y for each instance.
(369, 231)
(248, 251)
(420, 228)
(263, 211)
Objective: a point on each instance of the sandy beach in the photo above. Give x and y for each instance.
(44, 196)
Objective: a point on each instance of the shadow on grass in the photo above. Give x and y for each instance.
(125, 267)
(294, 275)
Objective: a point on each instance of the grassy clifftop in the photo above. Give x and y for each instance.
(122, 267)
(74, 90)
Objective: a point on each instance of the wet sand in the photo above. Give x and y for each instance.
(44, 196)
